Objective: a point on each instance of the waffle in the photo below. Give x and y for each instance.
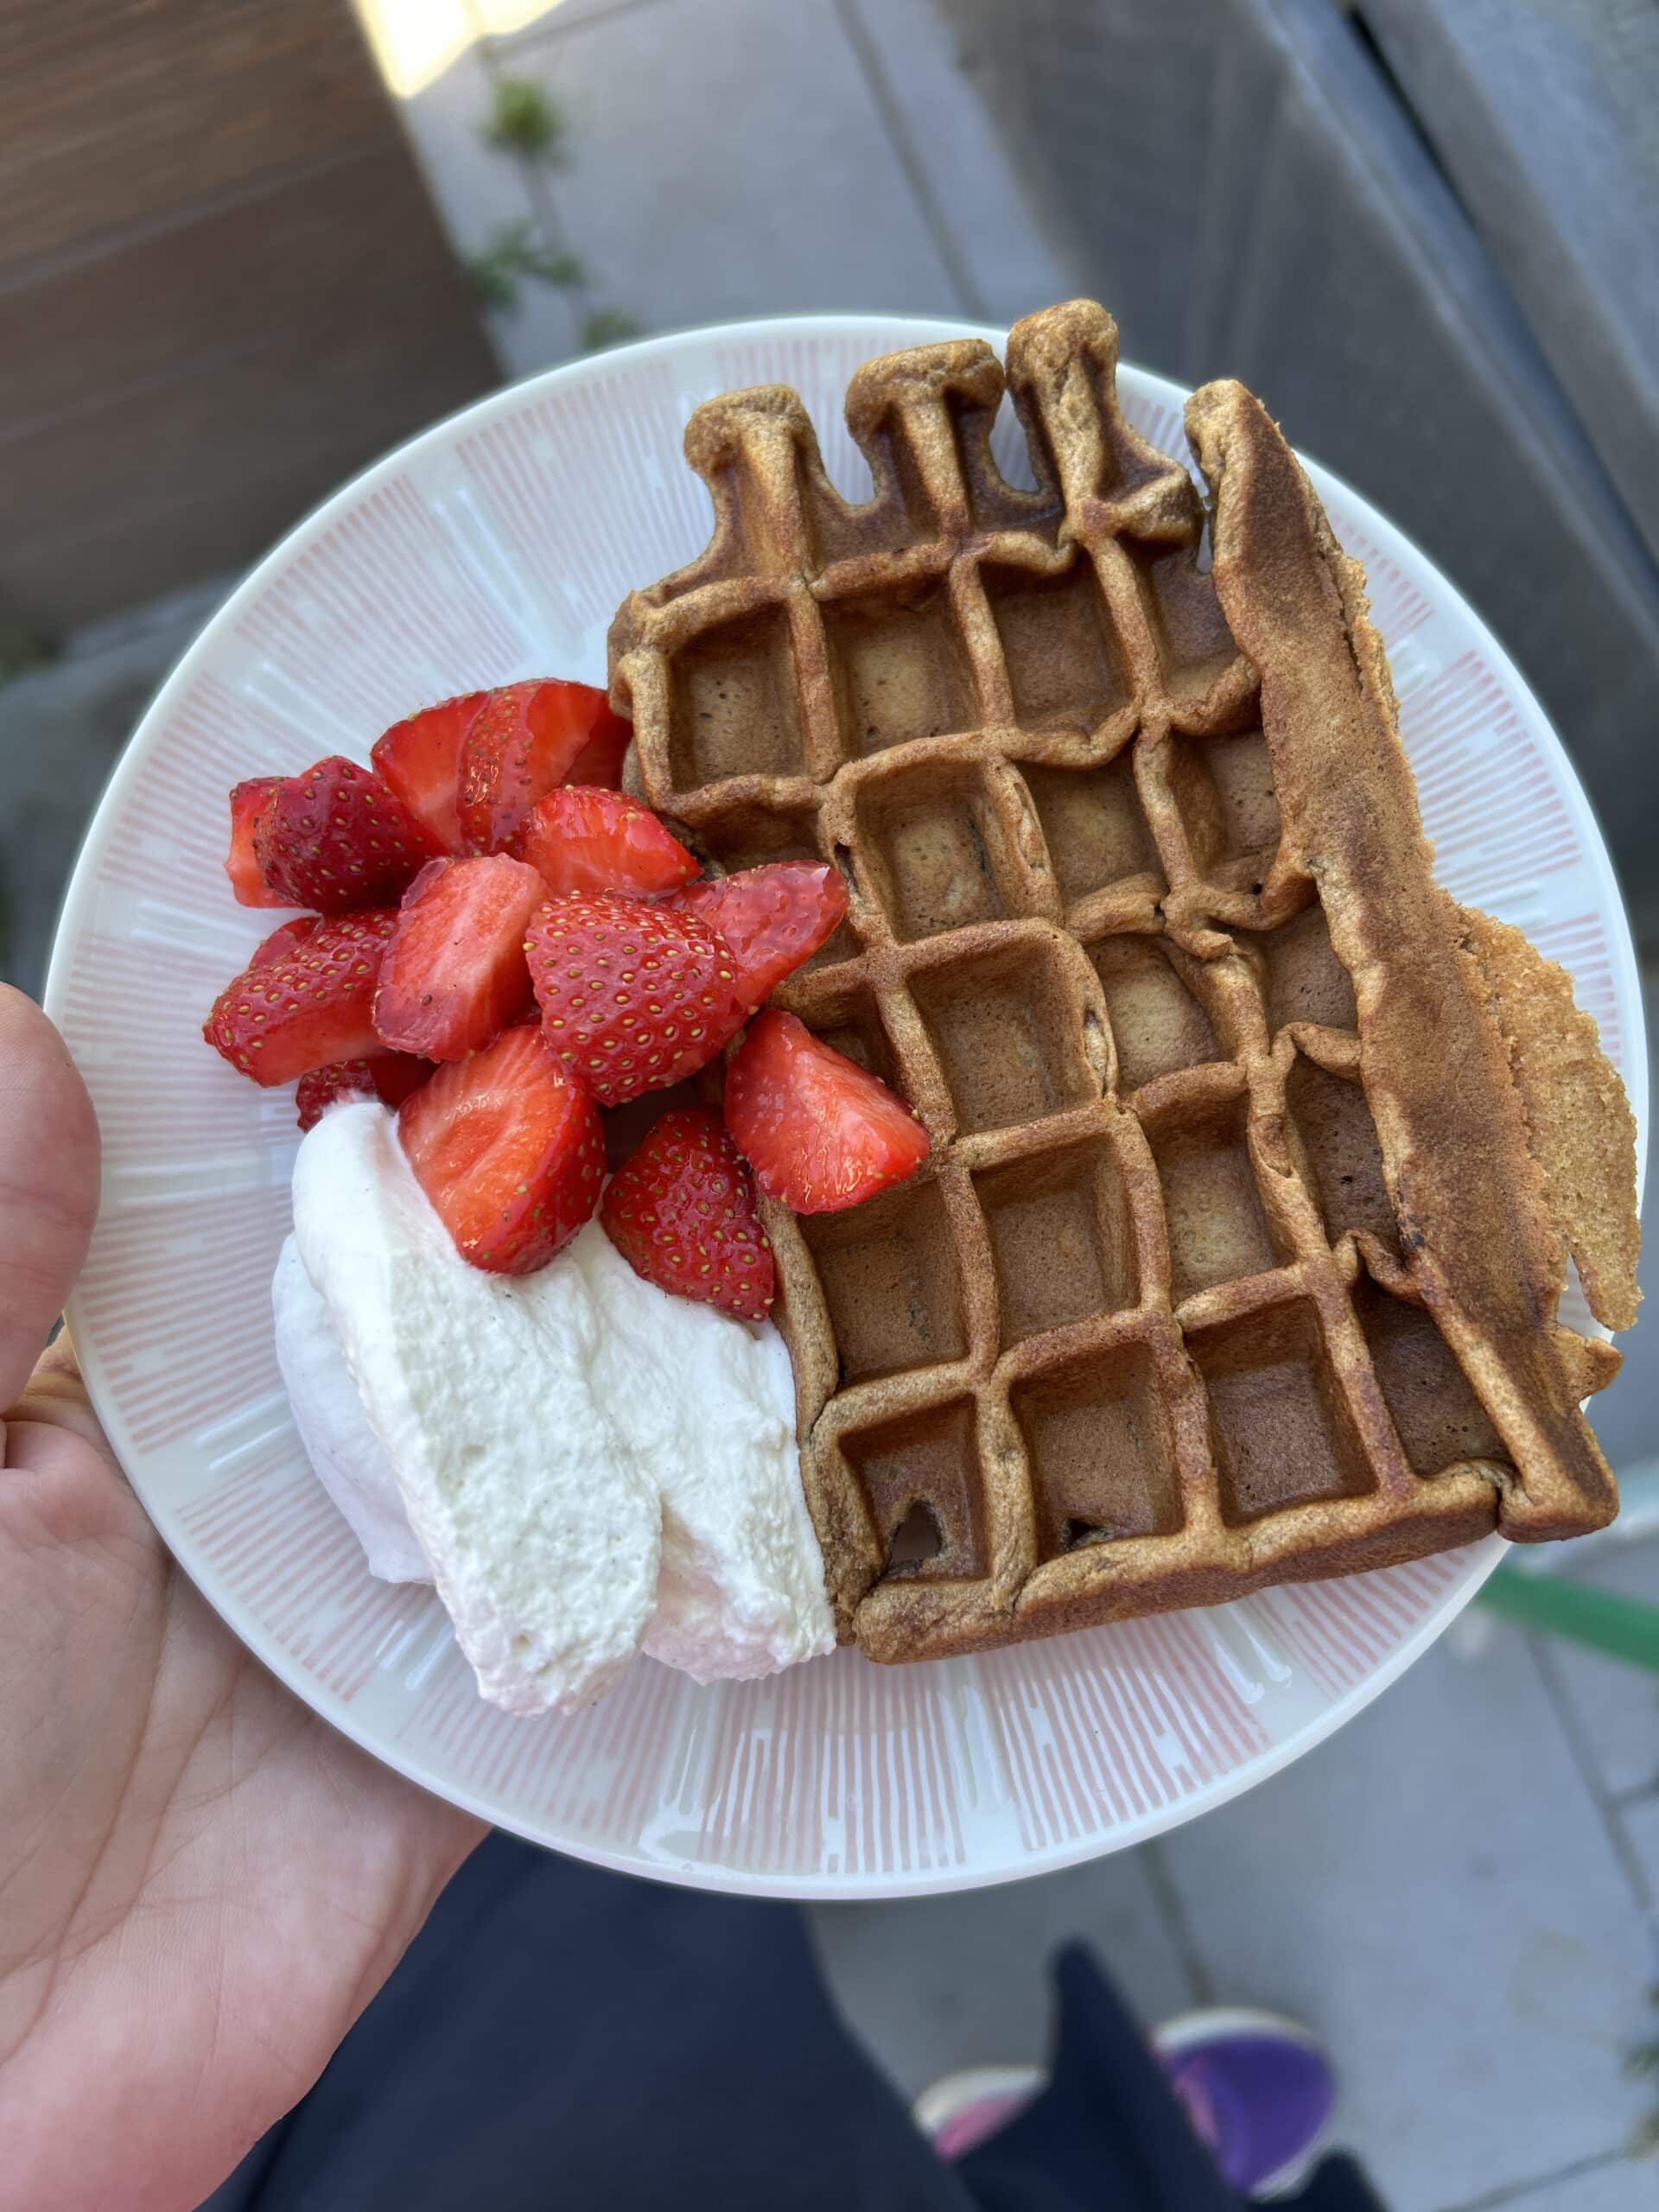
(1257, 1163)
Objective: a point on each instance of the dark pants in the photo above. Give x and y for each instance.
(558, 2039)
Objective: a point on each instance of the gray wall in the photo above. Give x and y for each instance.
(1251, 188)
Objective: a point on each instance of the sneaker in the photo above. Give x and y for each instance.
(961, 2111)
(1257, 2089)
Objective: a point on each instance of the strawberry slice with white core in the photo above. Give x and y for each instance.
(389, 1076)
(774, 918)
(510, 1151)
(454, 974)
(336, 838)
(527, 739)
(283, 940)
(248, 802)
(819, 1131)
(681, 1213)
(633, 997)
(420, 759)
(307, 1008)
(580, 838)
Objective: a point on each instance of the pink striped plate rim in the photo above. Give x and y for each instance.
(495, 546)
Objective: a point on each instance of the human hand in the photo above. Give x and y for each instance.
(201, 1884)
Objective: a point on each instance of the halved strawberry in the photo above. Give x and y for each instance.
(632, 996)
(582, 839)
(307, 1008)
(774, 918)
(599, 761)
(454, 974)
(509, 1149)
(336, 838)
(389, 1076)
(819, 1132)
(282, 940)
(420, 759)
(248, 802)
(681, 1213)
(527, 738)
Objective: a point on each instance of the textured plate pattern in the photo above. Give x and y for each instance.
(497, 546)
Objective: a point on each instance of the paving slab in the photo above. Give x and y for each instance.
(1435, 1891)
(730, 159)
(61, 728)
(933, 1984)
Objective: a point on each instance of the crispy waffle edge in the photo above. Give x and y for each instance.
(932, 691)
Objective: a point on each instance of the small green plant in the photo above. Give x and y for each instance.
(527, 121)
(607, 327)
(514, 254)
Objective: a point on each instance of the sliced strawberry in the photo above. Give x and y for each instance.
(389, 1076)
(582, 839)
(307, 1008)
(819, 1131)
(282, 940)
(599, 761)
(527, 738)
(633, 997)
(420, 759)
(681, 1213)
(509, 1150)
(774, 918)
(248, 802)
(454, 974)
(336, 838)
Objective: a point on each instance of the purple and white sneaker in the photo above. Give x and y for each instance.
(1258, 2090)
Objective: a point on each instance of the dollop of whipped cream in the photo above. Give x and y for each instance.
(583, 1465)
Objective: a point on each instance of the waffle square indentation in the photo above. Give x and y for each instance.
(1095, 827)
(1305, 982)
(932, 848)
(1188, 627)
(1065, 669)
(1102, 1462)
(1212, 1208)
(1439, 1420)
(1223, 786)
(1005, 1028)
(923, 1464)
(1062, 1243)
(1280, 1430)
(1159, 1022)
(1339, 1141)
(734, 710)
(891, 1280)
(900, 669)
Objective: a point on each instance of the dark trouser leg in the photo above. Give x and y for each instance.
(561, 2037)
(1108, 2134)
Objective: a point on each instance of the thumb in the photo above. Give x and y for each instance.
(49, 1183)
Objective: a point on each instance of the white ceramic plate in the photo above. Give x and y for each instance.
(496, 546)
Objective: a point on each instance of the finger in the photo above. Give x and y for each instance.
(56, 1397)
(49, 1183)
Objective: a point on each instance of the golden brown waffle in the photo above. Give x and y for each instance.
(1257, 1162)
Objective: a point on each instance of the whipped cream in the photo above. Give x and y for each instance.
(588, 1465)
(340, 1442)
